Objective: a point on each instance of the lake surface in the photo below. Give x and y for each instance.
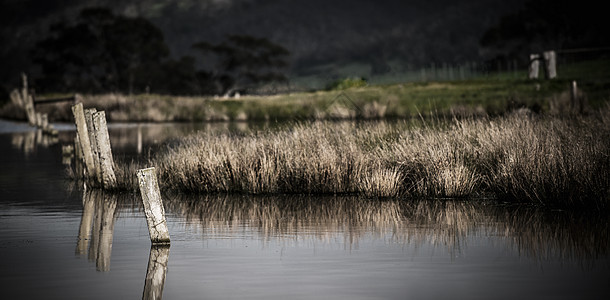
(61, 241)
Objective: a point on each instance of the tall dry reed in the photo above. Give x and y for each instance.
(519, 157)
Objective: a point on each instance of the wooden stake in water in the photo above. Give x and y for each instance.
(97, 172)
(153, 206)
(104, 150)
(83, 137)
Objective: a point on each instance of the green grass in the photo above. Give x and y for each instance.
(490, 95)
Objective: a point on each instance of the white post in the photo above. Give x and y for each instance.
(534, 66)
(153, 206)
(104, 150)
(97, 172)
(38, 120)
(83, 137)
(550, 64)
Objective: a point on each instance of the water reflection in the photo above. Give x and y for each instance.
(103, 210)
(155, 273)
(29, 141)
(95, 236)
(534, 232)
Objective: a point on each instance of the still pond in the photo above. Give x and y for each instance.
(62, 241)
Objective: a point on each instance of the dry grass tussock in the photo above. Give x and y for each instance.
(517, 158)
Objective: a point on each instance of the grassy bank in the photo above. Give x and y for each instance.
(464, 98)
(518, 157)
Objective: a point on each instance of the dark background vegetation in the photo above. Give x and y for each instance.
(193, 47)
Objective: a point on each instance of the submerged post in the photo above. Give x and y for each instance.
(97, 173)
(83, 137)
(104, 150)
(153, 206)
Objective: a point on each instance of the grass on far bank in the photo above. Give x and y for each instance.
(520, 157)
(455, 98)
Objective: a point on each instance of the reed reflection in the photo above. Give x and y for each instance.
(533, 232)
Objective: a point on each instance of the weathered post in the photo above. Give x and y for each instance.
(38, 122)
(78, 159)
(44, 123)
(534, 66)
(97, 173)
(104, 149)
(83, 138)
(139, 139)
(155, 273)
(577, 100)
(16, 99)
(573, 95)
(550, 64)
(28, 101)
(153, 206)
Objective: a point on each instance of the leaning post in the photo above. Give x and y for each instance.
(153, 206)
(104, 150)
(534, 66)
(97, 172)
(550, 64)
(83, 137)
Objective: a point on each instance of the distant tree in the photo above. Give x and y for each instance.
(99, 52)
(245, 62)
(548, 24)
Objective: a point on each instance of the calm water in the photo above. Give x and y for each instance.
(60, 241)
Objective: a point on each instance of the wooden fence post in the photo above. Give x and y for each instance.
(38, 122)
(550, 64)
(83, 138)
(153, 206)
(28, 101)
(97, 173)
(534, 66)
(78, 159)
(104, 150)
(44, 123)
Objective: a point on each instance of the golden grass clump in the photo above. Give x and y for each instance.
(520, 157)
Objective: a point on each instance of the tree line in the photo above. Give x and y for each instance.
(103, 52)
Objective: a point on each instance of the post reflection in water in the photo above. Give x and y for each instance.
(95, 238)
(30, 140)
(155, 274)
(103, 208)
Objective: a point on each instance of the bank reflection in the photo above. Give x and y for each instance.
(534, 232)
